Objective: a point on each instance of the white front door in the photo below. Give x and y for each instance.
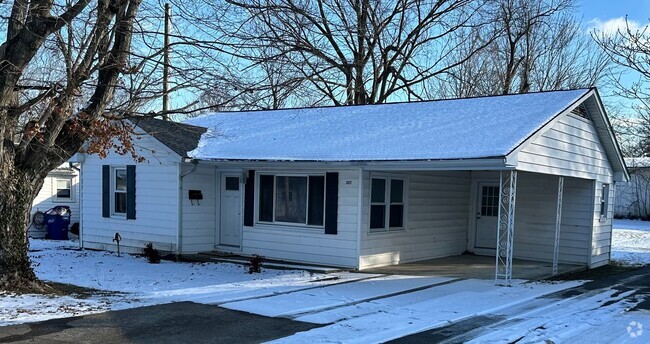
(487, 215)
(230, 210)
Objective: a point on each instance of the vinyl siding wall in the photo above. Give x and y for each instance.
(156, 201)
(535, 218)
(311, 245)
(46, 199)
(602, 227)
(436, 223)
(199, 217)
(571, 147)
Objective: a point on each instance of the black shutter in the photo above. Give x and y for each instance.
(331, 202)
(106, 191)
(130, 192)
(249, 199)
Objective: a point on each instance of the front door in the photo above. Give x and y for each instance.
(230, 210)
(487, 215)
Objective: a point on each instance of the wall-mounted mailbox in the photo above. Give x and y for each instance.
(195, 195)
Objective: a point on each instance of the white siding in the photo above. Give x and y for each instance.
(312, 245)
(437, 208)
(46, 198)
(156, 201)
(199, 219)
(571, 147)
(602, 227)
(535, 216)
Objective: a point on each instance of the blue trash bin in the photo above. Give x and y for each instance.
(58, 220)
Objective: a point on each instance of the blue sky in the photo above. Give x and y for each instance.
(604, 10)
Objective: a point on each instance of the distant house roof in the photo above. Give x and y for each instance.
(641, 162)
(179, 137)
(470, 128)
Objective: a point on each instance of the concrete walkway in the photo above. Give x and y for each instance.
(473, 266)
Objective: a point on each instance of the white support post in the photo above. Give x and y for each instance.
(558, 223)
(505, 227)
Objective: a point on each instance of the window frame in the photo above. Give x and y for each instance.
(276, 174)
(55, 189)
(604, 201)
(113, 190)
(387, 203)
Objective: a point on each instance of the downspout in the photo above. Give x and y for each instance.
(81, 200)
(179, 226)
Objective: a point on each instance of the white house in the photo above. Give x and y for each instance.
(526, 176)
(633, 197)
(61, 187)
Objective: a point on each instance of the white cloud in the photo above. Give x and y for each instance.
(610, 27)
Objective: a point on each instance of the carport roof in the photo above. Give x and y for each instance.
(470, 128)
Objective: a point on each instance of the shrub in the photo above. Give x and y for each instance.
(255, 264)
(153, 256)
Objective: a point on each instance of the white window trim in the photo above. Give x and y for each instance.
(274, 223)
(405, 194)
(55, 188)
(604, 201)
(113, 191)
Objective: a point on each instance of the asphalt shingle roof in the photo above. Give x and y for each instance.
(179, 137)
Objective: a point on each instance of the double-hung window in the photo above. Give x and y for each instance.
(292, 199)
(387, 204)
(119, 191)
(63, 189)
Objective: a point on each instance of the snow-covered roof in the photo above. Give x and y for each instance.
(637, 162)
(468, 128)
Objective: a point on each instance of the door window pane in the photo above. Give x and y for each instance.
(266, 198)
(316, 200)
(291, 199)
(490, 201)
(232, 183)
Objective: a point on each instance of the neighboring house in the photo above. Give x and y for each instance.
(633, 197)
(369, 186)
(61, 187)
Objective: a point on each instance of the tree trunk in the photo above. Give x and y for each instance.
(17, 192)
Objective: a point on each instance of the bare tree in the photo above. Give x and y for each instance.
(297, 52)
(539, 46)
(630, 50)
(61, 65)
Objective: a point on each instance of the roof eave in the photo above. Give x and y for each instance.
(491, 163)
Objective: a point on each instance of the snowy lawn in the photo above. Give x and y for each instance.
(137, 283)
(631, 242)
(354, 307)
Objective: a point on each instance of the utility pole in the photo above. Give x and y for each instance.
(165, 100)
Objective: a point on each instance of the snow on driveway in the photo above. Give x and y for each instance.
(455, 302)
(354, 307)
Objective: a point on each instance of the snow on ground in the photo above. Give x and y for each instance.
(354, 307)
(631, 242)
(134, 282)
